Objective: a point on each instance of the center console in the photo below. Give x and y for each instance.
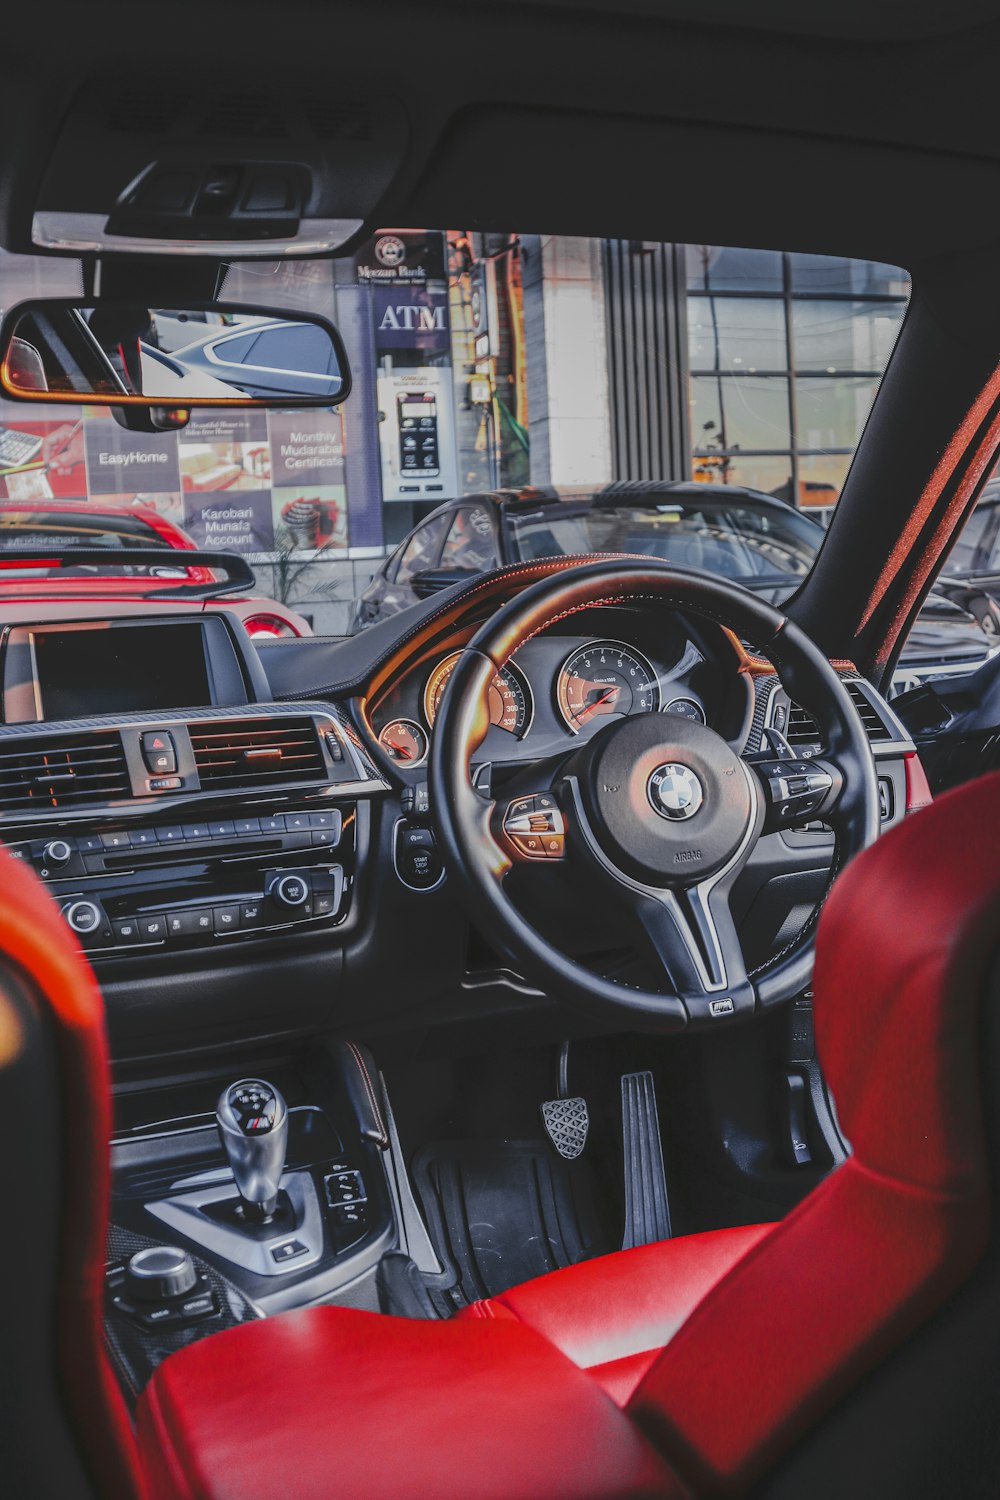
(234, 1197)
(161, 829)
(251, 832)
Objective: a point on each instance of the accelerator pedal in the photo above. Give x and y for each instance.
(647, 1210)
(566, 1120)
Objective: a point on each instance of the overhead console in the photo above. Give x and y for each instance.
(199, 171)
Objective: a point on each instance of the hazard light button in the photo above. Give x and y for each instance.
(159, 752)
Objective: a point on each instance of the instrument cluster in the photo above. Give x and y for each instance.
(559, 686)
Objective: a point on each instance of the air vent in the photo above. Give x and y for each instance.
(802, 728)
(64, 771)
(870, 717)
(255, 752)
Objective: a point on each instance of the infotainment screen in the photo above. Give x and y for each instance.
(119, 669)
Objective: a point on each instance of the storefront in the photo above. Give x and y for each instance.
(489, 360)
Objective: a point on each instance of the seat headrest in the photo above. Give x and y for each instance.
(902, 954)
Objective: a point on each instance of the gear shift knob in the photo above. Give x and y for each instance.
(253, 1123)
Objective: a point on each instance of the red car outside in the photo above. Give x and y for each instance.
(68, 524)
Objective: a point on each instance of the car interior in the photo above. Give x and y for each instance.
(544, 1044)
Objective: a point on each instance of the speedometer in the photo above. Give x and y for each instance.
(509, 696)
(604, 678)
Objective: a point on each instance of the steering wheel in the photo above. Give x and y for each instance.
(657, 809)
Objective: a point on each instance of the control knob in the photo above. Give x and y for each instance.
(83, 916)
(290, 890)
(57, 852)
(160, 1272)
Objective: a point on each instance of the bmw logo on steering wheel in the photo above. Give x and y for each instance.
(675, 792)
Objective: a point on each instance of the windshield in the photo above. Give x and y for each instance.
(756, 545)
(488, 361)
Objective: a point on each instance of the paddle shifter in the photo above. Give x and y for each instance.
(253, 1124)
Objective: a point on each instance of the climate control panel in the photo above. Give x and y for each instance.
(128, 887)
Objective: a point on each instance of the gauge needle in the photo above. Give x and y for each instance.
(607, 697)
(401, 751)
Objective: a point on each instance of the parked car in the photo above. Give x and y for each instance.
(971, 573)
(64, 525)
(265, 358)
(752, 538)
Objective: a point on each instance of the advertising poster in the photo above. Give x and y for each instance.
(225, 451)
(122, 463)
(230, 522)
(309, 499)
(307, 447)
(416, 433)
(43, 460)
(309, 518)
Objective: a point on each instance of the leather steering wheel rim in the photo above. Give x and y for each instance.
(474, 858)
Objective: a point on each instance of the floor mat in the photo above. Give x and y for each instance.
(502, 1212)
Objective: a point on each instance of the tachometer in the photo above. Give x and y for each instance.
(405, 741)
(603, 678)
(510, 696)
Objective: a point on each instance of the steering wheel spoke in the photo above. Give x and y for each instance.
(693, 934)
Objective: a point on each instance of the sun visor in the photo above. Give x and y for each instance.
(215, 174)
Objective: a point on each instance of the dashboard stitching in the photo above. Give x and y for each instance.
(507, 575)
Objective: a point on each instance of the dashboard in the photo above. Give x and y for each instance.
(566, 684)
(240, 836)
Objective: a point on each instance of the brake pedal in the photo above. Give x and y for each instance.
(647, 1209)
(566, 1120)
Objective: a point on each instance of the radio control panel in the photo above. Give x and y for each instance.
(128, 887)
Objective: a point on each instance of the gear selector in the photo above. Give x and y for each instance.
(253, 1123)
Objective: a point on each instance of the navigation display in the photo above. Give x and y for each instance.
(120, 669)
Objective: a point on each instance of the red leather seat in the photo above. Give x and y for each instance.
(903, 962)
(65, 1427)
(329, 1401)
(613, 1316)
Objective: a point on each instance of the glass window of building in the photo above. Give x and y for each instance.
(785, 354)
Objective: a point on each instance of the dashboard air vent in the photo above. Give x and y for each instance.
(802, 728)
(62, 771)
(870, 717)
(257, 752)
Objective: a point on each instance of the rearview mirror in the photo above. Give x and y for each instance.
(212, 354)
